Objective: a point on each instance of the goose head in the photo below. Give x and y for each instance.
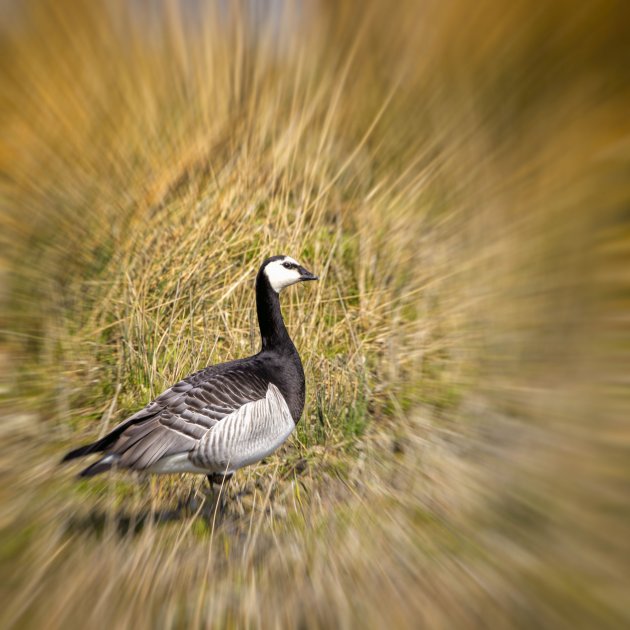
(283, 271)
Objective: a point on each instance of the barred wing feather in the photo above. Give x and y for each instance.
(247, 435)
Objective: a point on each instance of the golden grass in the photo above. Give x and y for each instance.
(455, 174)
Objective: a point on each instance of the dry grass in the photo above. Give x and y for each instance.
(455, 174)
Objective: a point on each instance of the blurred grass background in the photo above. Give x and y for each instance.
(457, 174)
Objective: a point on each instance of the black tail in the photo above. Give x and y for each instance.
(109, 461)
(102, 465)
(105, 442)
(88, 449)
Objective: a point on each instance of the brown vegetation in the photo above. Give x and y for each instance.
(457, 175)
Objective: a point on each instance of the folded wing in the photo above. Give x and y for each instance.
(250, 433)
(177, 420)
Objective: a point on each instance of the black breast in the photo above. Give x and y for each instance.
(285, 371)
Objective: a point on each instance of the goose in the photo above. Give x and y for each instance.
(225, 416)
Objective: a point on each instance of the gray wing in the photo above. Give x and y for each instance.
(248, 434)
(178, 419)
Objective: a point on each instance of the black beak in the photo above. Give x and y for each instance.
(305, 274)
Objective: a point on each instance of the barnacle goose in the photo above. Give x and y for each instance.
(225, 416)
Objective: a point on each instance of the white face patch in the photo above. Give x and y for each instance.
(279, 276)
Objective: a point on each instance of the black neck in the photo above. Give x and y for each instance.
(272, 329)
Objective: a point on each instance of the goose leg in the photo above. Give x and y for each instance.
(217, 494)
(219, 478)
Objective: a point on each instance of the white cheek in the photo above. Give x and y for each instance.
(280, 277)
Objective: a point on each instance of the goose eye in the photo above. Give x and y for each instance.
(288, 265)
